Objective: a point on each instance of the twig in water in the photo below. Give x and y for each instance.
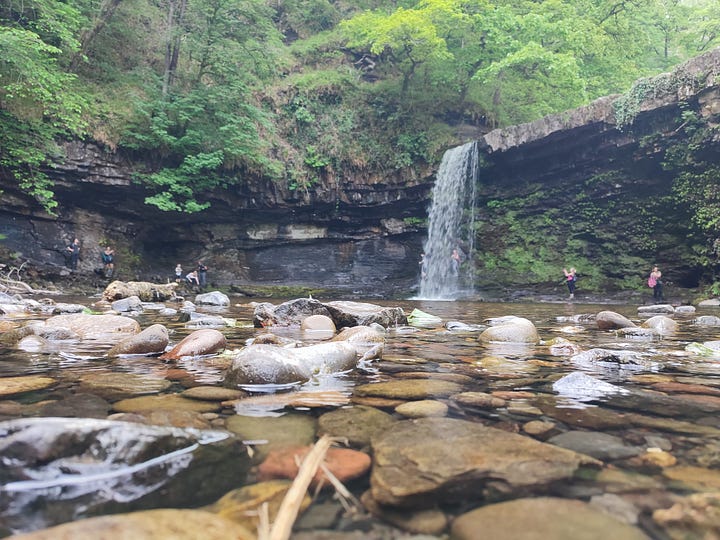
(290, 506)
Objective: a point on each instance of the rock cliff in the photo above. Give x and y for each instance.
(588, 187)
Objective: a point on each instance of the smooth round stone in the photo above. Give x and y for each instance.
(165, 524)
(273, 432)
(542, 517)
(479, 399)
(538, 428)
(357, 424)
(171, 401)
(409, 389)
(344, 463)
(422, 409)
(213, 393)
(13, 386)
(113, 386)
(317, 323)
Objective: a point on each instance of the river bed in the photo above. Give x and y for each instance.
(656, 440)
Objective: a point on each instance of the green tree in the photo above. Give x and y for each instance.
(39, 102)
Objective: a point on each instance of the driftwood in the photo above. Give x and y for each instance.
(11, 285)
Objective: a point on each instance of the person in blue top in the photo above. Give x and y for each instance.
(571, 278)
(108, 258)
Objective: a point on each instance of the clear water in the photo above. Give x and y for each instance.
(531, 369)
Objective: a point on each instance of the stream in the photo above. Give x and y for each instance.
(649, 420)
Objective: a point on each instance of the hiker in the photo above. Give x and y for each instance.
(74, 251)
(655, 281)
(202, 273)
(108, 258)
(570, 278)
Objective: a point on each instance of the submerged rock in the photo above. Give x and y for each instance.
(164, 524)
(418, 462)
(61, 469)
(542, 517)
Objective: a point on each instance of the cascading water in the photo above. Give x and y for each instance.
(451, 217)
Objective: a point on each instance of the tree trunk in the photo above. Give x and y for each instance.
(107, 10)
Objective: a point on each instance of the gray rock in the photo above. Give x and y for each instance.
(596, 444)
(289, 313)
(213, 298)
(542, 517)
(582, 387)
(64, 469)
(270, 364)
(661, 324)
(510, 330)
(131, 303)
(667, 309)
(346, 313)
(708, 320)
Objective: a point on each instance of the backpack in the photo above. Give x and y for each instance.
(652, 281)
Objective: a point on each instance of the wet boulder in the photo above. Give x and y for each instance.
(346, 313)
(269, 364)
(146, 291)
(510, 330)
(131, 303)
(152, 340)
(290, 313)
(661, 324)
(213, 298)
(609, 320)
(61, 469)
(199, 343)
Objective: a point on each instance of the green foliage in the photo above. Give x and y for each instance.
(208, 96)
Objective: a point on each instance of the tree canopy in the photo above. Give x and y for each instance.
(205, 94)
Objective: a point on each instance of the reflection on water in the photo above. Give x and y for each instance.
(656, 377)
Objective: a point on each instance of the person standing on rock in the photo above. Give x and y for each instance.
(655, 281)
(202, 273)
(178, 273)
(74, 251)
(108, 258)
(570, 278)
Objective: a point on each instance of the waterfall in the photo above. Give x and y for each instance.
(450, 226)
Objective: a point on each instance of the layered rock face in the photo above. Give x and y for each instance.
(585, 181)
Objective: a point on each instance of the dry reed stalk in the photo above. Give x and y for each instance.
(290, 506)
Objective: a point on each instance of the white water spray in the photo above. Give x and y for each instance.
(451, 216)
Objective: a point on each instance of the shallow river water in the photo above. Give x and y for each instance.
(665, 427)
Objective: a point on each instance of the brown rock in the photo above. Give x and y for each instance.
(345, 464)
(199, 343)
